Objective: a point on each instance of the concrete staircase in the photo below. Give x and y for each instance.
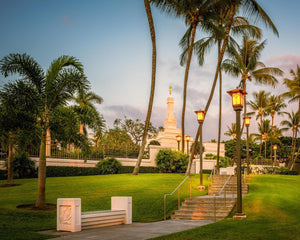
(231, 187)
(211, 206)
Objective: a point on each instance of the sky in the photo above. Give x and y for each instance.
(112, 40)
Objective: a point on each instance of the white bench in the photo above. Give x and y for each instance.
(70, 218)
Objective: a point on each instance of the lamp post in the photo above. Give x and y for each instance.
(271, 138)
(265, 138)
(200, 118)
(275, 149)
(247, 124)
(178, 138)
(237, 103)
(187, 138)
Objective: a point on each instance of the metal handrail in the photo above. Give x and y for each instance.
(219, 193)
(170, 194)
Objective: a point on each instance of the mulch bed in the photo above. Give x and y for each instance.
(10, 185)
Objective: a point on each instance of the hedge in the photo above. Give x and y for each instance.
(3, 174)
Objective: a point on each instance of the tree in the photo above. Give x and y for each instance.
(196, 14)
(275, 105)
(151, 98)
(254, 10)
(18, 111)
(292, 124)
(87, 112)
(231, 131)
(259, 105)
(293, 86)
(55, 87)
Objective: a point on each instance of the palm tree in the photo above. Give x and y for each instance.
(196, 14)
(259, 104)
(276, 104)
(55, 87)
(151, 98)
(292, 124)
(17, 113)
(231, 131)
(244, 62)
(86, 110)
(255, 11)
(294, 86)
(218, 24)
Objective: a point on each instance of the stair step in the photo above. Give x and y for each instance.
(196, 217)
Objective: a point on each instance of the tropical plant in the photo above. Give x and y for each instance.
(231, 131)
(151, 98)
(55, 87)
(293, 86)
(109, 166)
(292, 123)
(254, 10)
(18, 111)
(170, 161)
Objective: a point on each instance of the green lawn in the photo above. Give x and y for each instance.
(272, 208)
(147, 192)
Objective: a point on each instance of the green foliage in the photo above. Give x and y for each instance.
(3, 174)
(62, 171)
(224, 162)
(209, 156)
(276, 170)
(154, 142)
(129, 169)
(230, 148)
(23, 166)
(169, 161)
(109, 166)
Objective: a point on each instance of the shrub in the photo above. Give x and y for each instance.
(23, 166)
(169, 161)
(109, 166)
(129, 169)
(154, 142)
(62, 171)
(3, 174)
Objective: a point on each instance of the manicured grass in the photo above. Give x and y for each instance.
(272, 208)
(147, 192)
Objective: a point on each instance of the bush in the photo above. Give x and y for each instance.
(277, 170)
(129, 169)
(154, 142)
(169, 161)
(61, 171)
(3, 174)
(109, 166)
(23, 166)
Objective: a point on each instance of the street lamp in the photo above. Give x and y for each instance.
(247, 124)
(178, 138)
(200, 118)
(187, 138)
(275, 149)
(265, 138)
(237, 104)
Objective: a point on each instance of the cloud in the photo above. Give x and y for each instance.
(285, 62)
(65, 20)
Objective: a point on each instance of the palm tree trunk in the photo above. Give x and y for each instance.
(152, 33)
(10, 173)
(271, 141)
(261, 135)
(220, 113)
(220, 59)
(186, 76)
(291, 163)
(245, 103)
(41, 201)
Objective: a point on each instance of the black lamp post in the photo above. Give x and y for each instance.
(247, 124)
(275, 149)
(237, 103)
(200, 118)
(178, 138)
(187, 138)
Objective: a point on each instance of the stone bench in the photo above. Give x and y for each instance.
(70, 218)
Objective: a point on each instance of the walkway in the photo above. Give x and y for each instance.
(135, 231)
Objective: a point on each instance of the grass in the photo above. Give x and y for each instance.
(147, 192)
(272, 208)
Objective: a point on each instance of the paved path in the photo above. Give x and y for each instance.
(135, 231)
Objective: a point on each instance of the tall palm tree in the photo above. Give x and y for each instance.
(259, 104)
(55, 87)
(17, 113)
(293, 86)
(292, 123)
(87, 111)
(151, 98)
(275, 105)
(254, 10)
(196, 14)
(217, 29)
(231, 131)
(244, 62)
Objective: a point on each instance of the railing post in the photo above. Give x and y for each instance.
(190, 186)
(225, 196)
(215, 218)
(165, 210)
(178, 198)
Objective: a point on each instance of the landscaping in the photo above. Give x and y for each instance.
(272, 208)
(147, 191)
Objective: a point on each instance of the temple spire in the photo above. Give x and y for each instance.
(170, 90)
